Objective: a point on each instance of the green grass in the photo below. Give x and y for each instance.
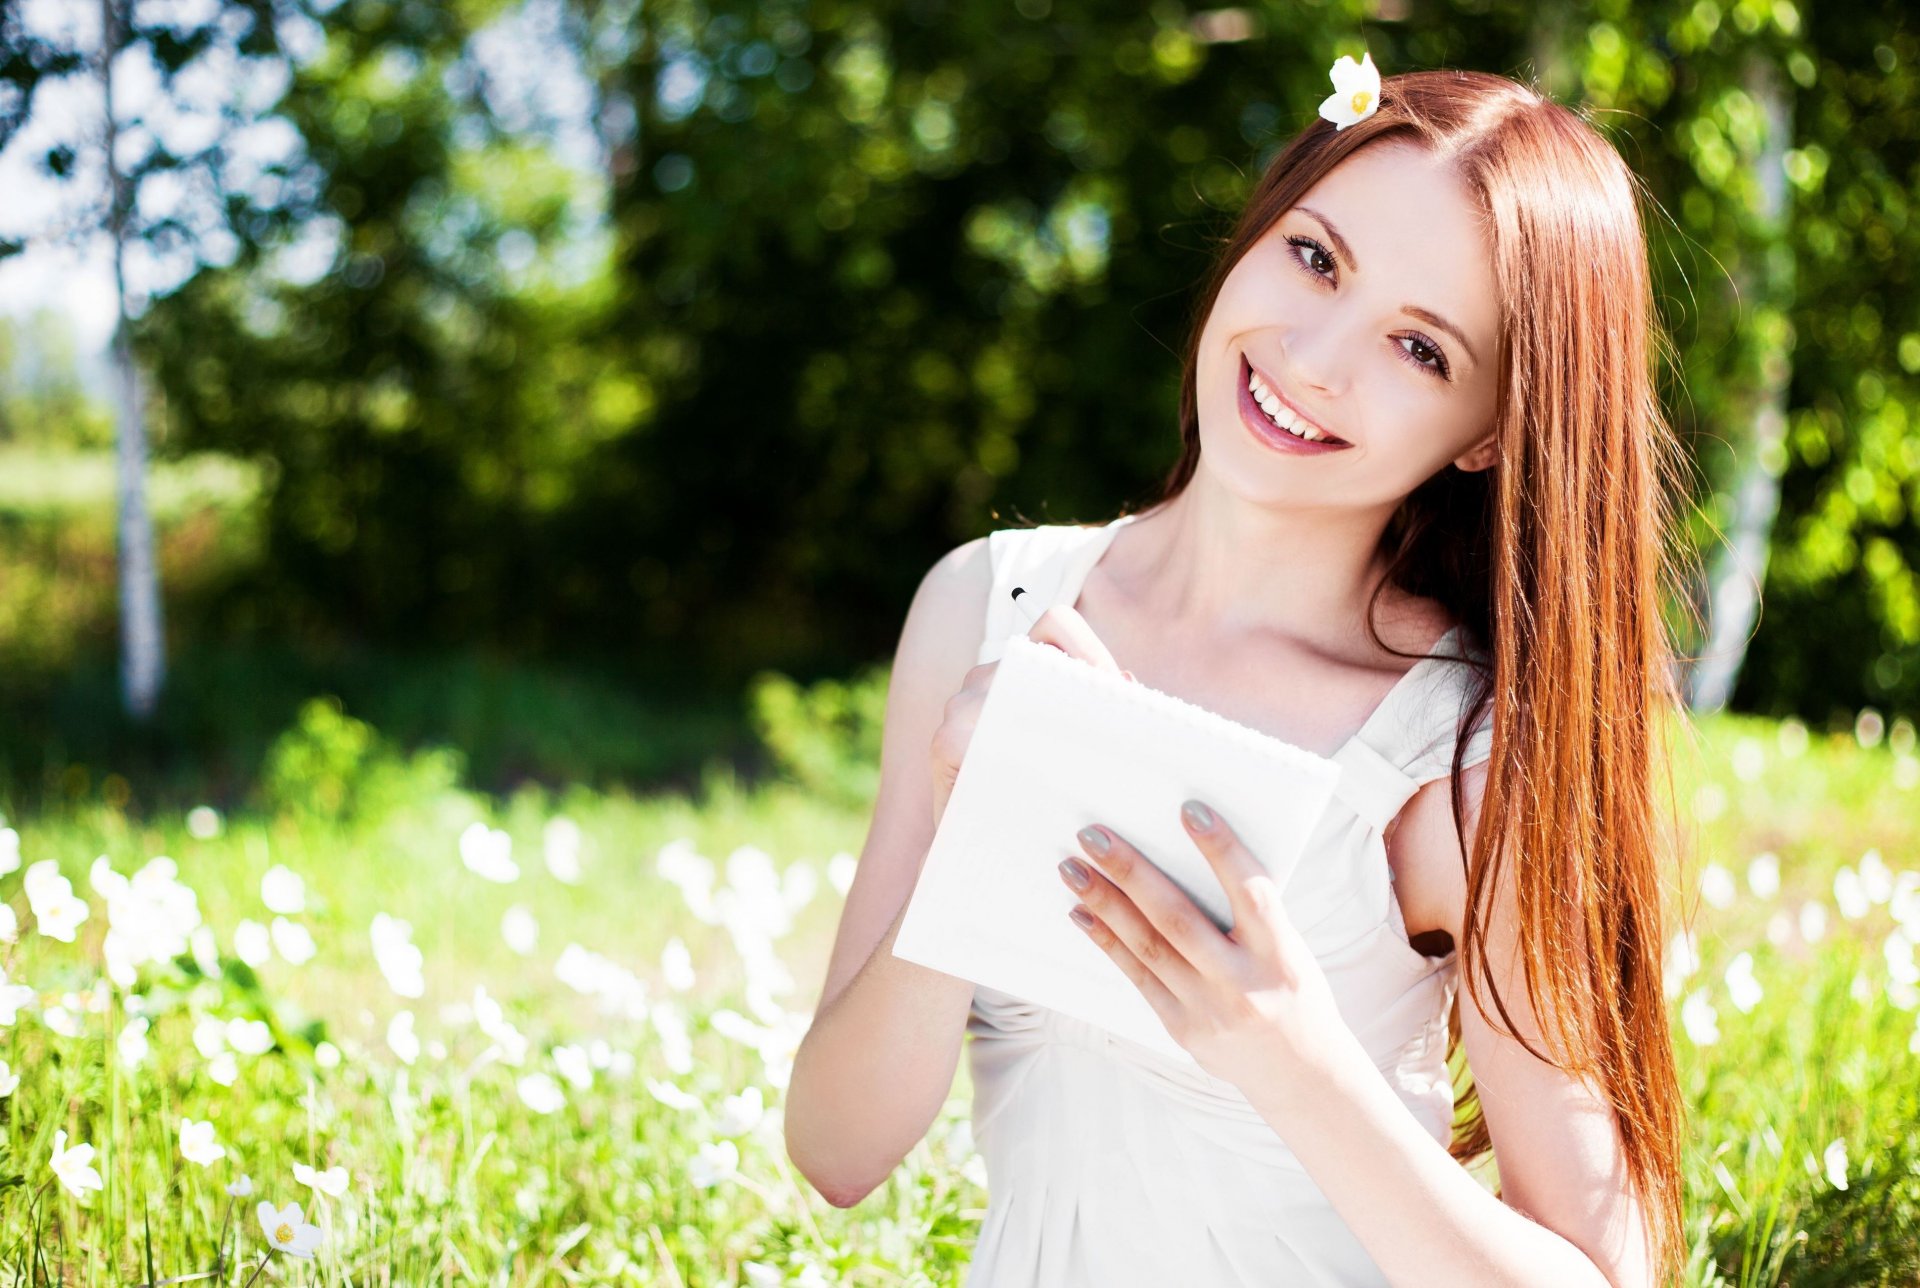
(454, 1177)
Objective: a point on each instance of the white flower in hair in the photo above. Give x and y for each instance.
(1356, 91)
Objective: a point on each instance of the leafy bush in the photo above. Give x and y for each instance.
(826, 736)
(332, 766)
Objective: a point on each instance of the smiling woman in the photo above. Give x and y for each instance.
(1417, 426)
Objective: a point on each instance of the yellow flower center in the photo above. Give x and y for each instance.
(1361, 98)
(284, 1234)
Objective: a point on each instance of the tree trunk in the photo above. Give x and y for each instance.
(142, 646)
(1740, 564)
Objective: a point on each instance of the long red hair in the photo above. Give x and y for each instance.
(1556, 560)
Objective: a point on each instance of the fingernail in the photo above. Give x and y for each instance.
(1075, 873)
(1094, 839)
(1198, 816)
(1081, 917)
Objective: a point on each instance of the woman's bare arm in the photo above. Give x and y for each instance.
(879, 1059)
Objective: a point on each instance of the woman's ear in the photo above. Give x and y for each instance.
(1480, 456)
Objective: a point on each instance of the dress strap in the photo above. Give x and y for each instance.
(1408, 741)
(1048, 563)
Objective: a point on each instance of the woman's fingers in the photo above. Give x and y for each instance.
(1066, 630)
(1151, 915)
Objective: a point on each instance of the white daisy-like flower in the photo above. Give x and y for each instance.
(562, 844)
(840, 870)
(671, 1095)
(12, 998)
(676, 964)
(400, 1037)
(541, 1093)
(519, 928)
(1813, 921)
(1835, 1159)
(57, 911)
(575, 1065)
(1743, 990)
(399, 959)
(74, 1167)
(488, 853)
(1716, 886)
(1356, 91)
(224, 1068)
(332, 1182)
(241, 1188)
(9, 924)
(283, 890)
(1699, 1019)
(1763, 875)
(288, 1230)
(716, 1161)
(9, 1080)
(131, 1045)
(741, 1113)
(197, 1144)
(293, 941)
(252, 943)
(250, 1037)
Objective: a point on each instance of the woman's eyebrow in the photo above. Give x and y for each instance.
(1425, 315)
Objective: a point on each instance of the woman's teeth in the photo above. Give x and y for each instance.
(1281, 414)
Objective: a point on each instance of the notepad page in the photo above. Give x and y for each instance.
(1060, 744)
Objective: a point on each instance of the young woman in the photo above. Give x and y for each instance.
(1418, 425)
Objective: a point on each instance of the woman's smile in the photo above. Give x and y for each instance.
(1280, 429)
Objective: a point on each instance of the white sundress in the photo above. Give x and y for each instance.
(1111, 1165)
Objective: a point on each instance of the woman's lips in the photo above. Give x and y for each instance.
(1271, 434)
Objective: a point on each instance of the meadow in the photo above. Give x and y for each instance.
(543, 1037)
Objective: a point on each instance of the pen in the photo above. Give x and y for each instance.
(1017, 592)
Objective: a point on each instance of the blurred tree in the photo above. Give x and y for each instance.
(145, 180)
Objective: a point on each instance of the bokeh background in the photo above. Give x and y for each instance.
(535, 415)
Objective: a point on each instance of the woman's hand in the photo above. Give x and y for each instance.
(1253, 1006)
(1060, 626)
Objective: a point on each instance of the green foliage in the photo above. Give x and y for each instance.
(826, 736)
(334, 767)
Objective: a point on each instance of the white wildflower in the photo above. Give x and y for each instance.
(203, 822)
(197, 1144)
(561, 841)
(1716, 886)
(250, 1037)
(332, 1182)
(1699, 1019)
(488, 853)
(1850, 894)
(288, 1230)
(252, 943)
(1356, 91)
(57, 911)
(676, 965)
(574, 1065)
(1813, 921)
(74, 1167)
(716, 1161)
(401, 1039)
(399, 960)
(1743, 990)
(283, 891)
(293, 942)
(740, 1113)
(519, 929)
(1763, 874)
(1835, 1158)
(541, 1093)
(840, 870)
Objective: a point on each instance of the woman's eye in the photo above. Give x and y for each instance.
(1426, 355)
(1315, 249)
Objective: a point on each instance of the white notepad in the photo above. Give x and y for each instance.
(1060, 744)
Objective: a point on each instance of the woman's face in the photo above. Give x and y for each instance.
(1346, 310)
